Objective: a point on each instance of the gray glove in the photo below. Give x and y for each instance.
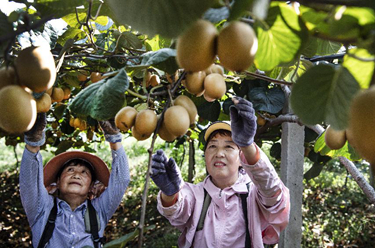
(36, 135)
(111, 132)
(165, 173)
(243, 122)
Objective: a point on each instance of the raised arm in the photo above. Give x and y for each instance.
(32, 190)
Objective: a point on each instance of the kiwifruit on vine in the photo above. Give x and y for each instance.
(177, 120)
(164, 134)
(43, 103)
(153, 81)
(67, 92)
(214, 68)
(194, 82)
(196, 46)
(145, 122)
(36, 68)
(214, 87)
(361, 128)
(57, 94)
(236, 46)
(139, 136)
(17, 109)
(335, 139)
(125, 118)
(7, 76)
(95, 76)
(189, 105)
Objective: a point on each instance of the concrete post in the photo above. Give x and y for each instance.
(292, 160)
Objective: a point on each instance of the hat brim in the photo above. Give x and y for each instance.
(216, 126)
(54, 165)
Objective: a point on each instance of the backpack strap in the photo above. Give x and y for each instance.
(94, 226)
(244, 209)
(206, 204)
(50, 226)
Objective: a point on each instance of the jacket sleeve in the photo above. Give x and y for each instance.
(34, 195)
(119, 180)
(179, 214)
(271, 197)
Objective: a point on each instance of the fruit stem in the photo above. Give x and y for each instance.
(136, 94)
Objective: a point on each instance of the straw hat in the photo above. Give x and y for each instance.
(217, 125)
(54, 165)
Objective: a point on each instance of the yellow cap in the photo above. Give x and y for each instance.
(216, 126)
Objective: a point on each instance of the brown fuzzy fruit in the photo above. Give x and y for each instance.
(145, 122)
(194, 82)
(36, 68)
(43, 104)
(95, 77)
(214, 86)
(196, 48)
(164, 134)
(335, 139)
(7, 76)
(361, 131)
(67, 92)
(57, 94)
(139, 136)
(236, 46)
(125, 118)
(154, 81)
(17, 109)
(177, 121)
(189, 105)
(214, 68)
(76, 123)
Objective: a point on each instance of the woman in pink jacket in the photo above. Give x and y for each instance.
(248, 205)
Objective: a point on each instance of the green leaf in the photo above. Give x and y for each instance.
(71, 33)
(314, 171)
(316, 46)
(280, 37)
(239, 8)
(361, 70)
(267, 99)
(324, 94)
(301, 68)
(71, 19)
(59, 111)
(122, 241)
(5, 26)
(165, 17)
(63, 146)
(128, 40)
(163, 59)
(57, 8)
(102, 100)
(209, 110)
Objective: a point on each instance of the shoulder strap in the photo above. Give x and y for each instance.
(50, 226)
(94, 226)
(206, 203)
(244, 209)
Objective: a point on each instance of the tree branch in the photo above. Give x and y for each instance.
(359, 178)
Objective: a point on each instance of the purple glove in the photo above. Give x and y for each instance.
(36, 136)
(111, 132)
(243, 122)
(165, 173)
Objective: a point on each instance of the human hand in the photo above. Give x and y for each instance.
(36, 136)
(165, 173)
(111, 132)
(243, 122)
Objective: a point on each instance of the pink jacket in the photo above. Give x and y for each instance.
(224, 226)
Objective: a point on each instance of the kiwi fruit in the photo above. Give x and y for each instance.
(177, 120)
(125, 118)
(335, 139)
(189, 105)
(17, 109)
(236, 46)
(196, 46)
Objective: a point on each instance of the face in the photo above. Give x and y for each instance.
(222, 160)
(75, 180)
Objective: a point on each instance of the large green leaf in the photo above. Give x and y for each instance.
(301, 68)
(280, 37)
(324, 94)
(102, 100)
(361, 70)
(239, 8)
(163, 59)
(267, 99)
(209, 110)
(57, 8)
(165, 17)
(316, 46)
